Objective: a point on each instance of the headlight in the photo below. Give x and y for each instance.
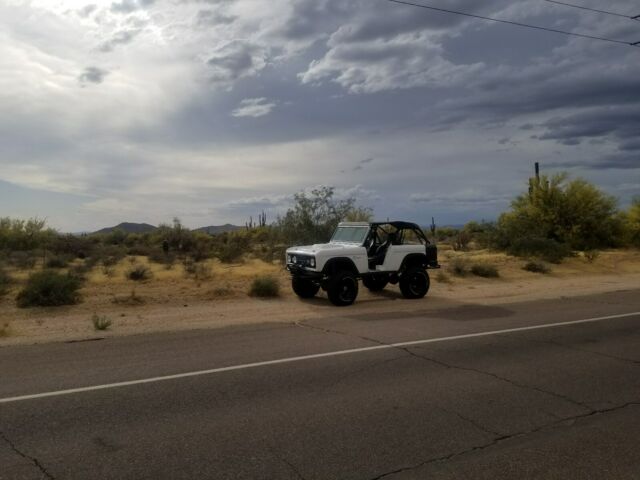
(289, 258)
(312, 262)
(294, 259)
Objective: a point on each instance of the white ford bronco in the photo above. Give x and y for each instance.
(377, 253)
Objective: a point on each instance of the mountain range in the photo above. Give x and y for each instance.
(130, 227)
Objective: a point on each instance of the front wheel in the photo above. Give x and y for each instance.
(304, 288)
(342, 289)
(414, 283)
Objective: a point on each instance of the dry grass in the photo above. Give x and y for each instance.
(161, 303)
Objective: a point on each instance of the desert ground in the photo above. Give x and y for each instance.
(172, 301)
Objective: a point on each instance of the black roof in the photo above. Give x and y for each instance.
(398, 224)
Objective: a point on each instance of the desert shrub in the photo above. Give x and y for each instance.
(232, 251)
(264, 286)
(57, 262)
(23, 260)
(631, 220)
(100, 322)
(82, 268)
(49, 288)
(197, 271)
(549, 250)
(139, 251)
(139, 273)
(461, 241)
(446, 234)
(158, 255)
(459, 267)
(591, 255)
(484, 270)
(24, 235)
(536, 267)
(5, 282)
(572, 214)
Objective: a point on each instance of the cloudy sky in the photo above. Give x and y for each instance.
(213, 110)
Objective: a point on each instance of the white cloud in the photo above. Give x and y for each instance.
(254, 107)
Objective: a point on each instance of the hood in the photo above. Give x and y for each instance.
(323, 247)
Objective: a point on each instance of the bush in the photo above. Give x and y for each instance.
(484, 270)
(22, 260)
(139, 273)
(57, 262)
(5, 282)
(547, 249)
(574, 214)
(49, 289)
(265, 286)
(536, 267)
(100, 322)
(232, 251)
(459, 267)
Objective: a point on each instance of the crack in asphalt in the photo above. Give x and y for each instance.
(498, 437)
(497, 440)
(452, 366)
(291, 466)
(476, 424)
(505, 379)
(577, 349)
(33, 460)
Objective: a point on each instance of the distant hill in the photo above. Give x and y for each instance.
(128, 227)
(216, 229)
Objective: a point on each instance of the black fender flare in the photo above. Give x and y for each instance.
(412, 260)
(340, 263)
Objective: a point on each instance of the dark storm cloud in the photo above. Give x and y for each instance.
(92, 75)
(622, 123)
(622, 161)
(235, 60)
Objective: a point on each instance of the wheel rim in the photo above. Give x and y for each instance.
(417, 283)
(347, 289)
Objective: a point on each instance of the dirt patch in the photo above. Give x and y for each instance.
(171, 300)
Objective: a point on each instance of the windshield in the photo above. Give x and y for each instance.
(350, 235)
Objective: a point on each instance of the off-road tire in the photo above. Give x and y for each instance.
(304, 287)
(414, 283)
(375, 283)
(342, 289)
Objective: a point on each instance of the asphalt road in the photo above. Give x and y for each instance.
(556, 402)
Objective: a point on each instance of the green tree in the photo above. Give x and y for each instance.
(315, 215)
(556, 211)
(631, 220)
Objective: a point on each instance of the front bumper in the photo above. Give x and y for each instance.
(302, 272)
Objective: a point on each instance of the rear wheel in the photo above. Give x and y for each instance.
(375, 283)
(304, 287)
(343, 288)
(414, 283)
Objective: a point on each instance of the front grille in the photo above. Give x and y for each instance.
(301, 260)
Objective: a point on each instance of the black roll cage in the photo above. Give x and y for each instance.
(400, 228)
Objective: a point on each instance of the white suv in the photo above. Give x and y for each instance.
(377, 253)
